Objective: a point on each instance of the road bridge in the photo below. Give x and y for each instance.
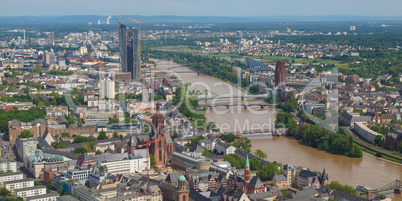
(236, 103)
(395, 185)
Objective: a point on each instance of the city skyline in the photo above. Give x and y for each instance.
(204, 8)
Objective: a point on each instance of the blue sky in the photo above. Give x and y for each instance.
(202, 7)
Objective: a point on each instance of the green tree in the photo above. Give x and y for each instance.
(343, 188)
(243, 143)
(206, 153)
(36, 183)
(378, 140)
(255, 164)
(400, 147)
(102, 135)
(152, 159)
(41, 104)
(260, 154)
(65, 134)
(115, 135)
(49, 185)
(98, 152)
(269, 171)
(228, 137)
(58, 145)
(25, 134)
(38, 146)
(80, 150)
(103, 168)
(79, 139)
(4, 192)
(113, 120)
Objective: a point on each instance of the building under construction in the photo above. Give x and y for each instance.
(130, 51)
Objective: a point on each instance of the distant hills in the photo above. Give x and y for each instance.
(166, 19)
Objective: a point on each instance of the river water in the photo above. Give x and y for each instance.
(368, 171)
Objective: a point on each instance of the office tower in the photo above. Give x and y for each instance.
(107, 89)
(50, 58)
(280, 74)
(130, 51)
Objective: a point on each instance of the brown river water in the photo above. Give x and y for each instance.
(368, 171)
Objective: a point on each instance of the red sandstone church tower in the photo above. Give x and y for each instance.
(280, 74)
(159, 148)
(247, 172)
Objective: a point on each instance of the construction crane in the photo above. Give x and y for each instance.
(147, 143)
(139, 33)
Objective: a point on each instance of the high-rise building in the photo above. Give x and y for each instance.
(107, 89)
(130, 51)
(25, 146)
(280, 74)
(50, 58)
(353, 28)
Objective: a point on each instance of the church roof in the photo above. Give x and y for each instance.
(256, 182)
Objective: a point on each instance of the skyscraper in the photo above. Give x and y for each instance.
(130, 51)
(280, 74)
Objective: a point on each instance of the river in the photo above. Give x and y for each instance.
(368, 171)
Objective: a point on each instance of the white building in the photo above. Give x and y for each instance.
(8, 165)
(225, 148)
(124, 163)
(45, 197)
(30, 191)
(18, 184)
(106, 89)
(79, 174)
(11, 176)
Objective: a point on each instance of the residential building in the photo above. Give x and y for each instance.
(224, 148)
(349, 119)
(365, 132)
(17, 184)
(57, 111)
(45, 197)
(11, 176)
(8, 165)
(30, 191)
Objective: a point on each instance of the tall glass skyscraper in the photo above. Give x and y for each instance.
(130, 51)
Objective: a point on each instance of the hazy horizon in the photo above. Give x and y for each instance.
(191, 8)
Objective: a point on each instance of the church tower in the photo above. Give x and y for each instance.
(247, 172)
(158, 149)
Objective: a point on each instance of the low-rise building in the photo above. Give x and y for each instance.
(17, 184)
(45, 197)
(30, 191)
(8, 165)
(11, 176)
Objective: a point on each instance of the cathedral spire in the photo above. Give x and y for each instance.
(157, 106)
